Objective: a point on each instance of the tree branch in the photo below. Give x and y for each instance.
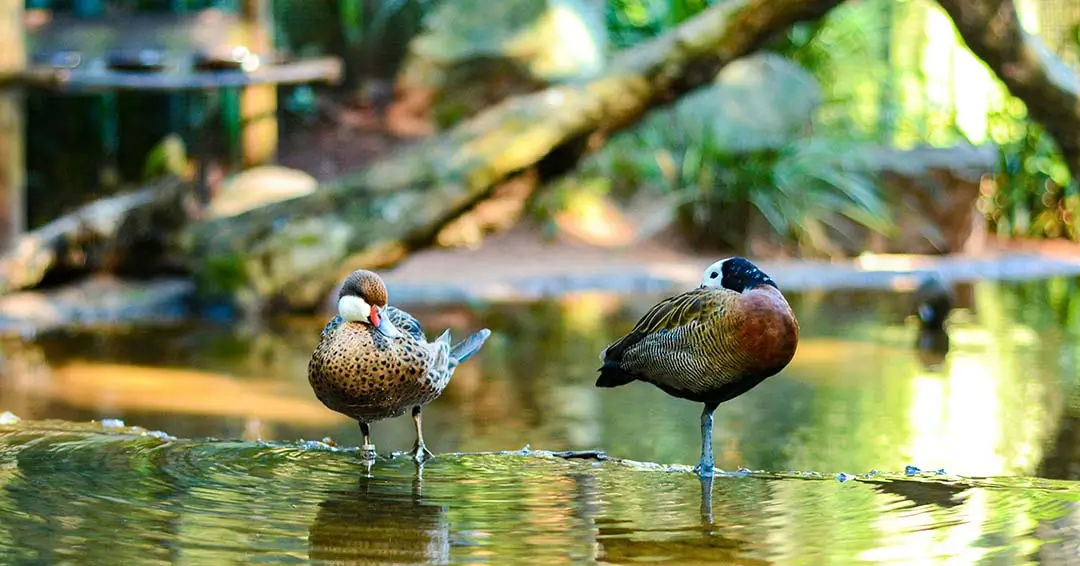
(296, 250)
(1049, 88)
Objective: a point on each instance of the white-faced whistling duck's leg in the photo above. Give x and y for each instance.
(706, 464)
(419, 451)
(368, 449)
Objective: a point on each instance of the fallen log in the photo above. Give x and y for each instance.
(125, 233)
(293, 252)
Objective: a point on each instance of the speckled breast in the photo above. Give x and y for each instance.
(360, 373)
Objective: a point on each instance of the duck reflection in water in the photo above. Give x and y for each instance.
(920, 494)
(375, 524)
(932, 303)
(706, 543)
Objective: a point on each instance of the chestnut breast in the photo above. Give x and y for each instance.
(768, 330)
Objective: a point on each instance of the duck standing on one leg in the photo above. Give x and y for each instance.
(708, 345)
(373, 361)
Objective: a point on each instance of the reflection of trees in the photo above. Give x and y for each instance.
(542, 362)
(857, 396)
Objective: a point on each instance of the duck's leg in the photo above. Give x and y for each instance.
(419, 451)
(706, 463)
(368, 449)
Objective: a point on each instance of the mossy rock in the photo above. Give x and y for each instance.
(473, 54)
(759, 102)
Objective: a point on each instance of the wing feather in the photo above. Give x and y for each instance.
(331, 326)
(671, 313)
(406, 323)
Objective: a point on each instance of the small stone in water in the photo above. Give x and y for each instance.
(7, 417)
(842, 477)
(940, 472)
(112, 423)
(911, 471)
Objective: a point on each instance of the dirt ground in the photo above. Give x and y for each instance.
(520, 263)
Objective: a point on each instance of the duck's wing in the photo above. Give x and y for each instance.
(669, 314)
(670, 341)
(440, 348)
(331, 326)
(406, 323)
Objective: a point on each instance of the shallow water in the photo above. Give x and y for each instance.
(858, 397)
(84, 494)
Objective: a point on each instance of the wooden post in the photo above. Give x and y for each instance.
(12, 142)
(258, 104)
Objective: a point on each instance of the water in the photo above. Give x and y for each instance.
(997, 414)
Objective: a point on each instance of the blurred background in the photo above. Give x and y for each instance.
(856, 155)
(183, 185)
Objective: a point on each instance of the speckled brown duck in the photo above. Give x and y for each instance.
(708, 345)
(373, 361)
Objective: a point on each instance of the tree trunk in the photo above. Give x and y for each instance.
(1049, 88)
(294, 252)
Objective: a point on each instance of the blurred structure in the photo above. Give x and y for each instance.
(100, 54)
(932, 303)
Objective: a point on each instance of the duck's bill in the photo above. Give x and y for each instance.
(387, 328)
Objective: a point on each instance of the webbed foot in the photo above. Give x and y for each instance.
(420, 453)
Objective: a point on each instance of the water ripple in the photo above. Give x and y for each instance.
(89, 493)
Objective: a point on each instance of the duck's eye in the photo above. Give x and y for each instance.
(714, 275)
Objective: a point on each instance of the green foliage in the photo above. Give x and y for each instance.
(804, 189)
(846, 53)
(632, 21)
(222, 276)
(1033, 193)
(169, 156)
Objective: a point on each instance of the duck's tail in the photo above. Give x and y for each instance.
(466, 348)
(611, 375)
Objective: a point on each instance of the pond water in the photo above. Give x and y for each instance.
(234, 481)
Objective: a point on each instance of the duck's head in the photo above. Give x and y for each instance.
(363, 299)
(736, 274)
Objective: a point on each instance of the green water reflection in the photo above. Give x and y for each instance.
(87, 495)
(859, 396)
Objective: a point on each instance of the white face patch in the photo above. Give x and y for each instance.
(707, 279)
(354, 309)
